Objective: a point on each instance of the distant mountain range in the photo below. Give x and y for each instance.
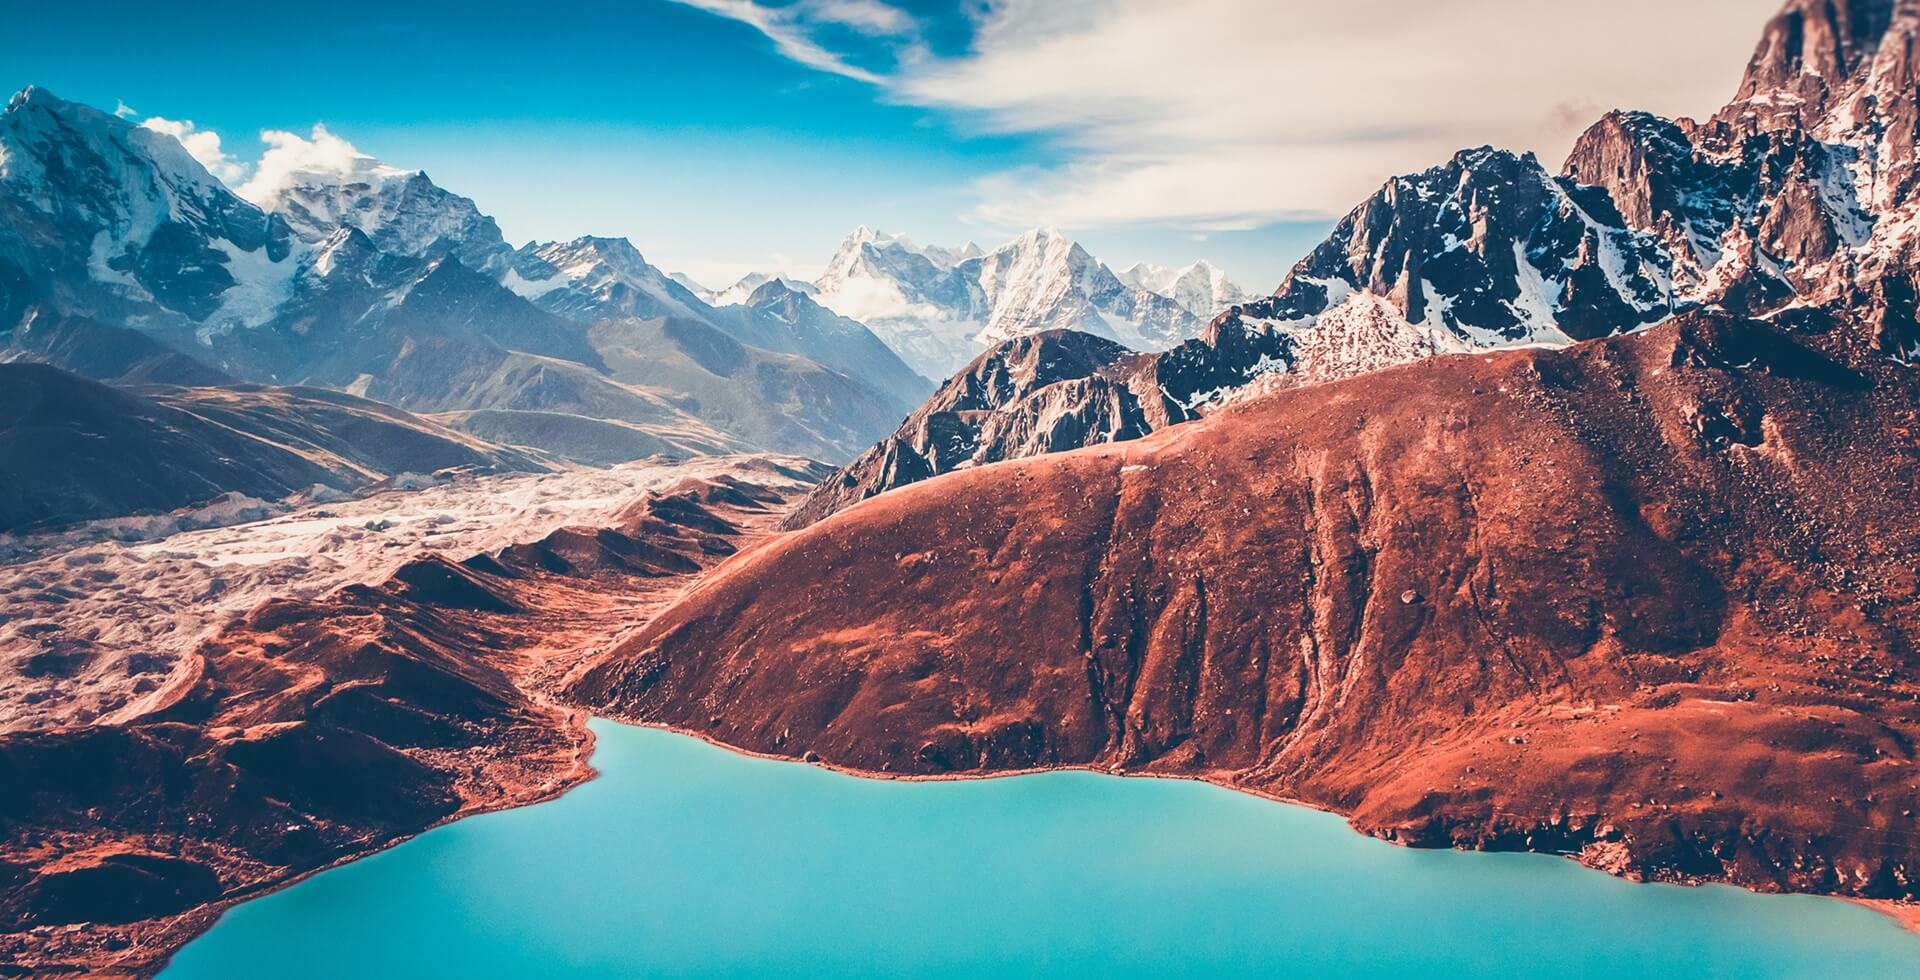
(372, 279)
(375, 280)
(941, 307)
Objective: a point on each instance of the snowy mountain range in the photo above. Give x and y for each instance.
(1796, 203)
(1799, 192)
(940, 307)
(372, 279)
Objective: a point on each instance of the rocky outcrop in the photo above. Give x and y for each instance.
(1035, 394)
(1060, 390)
(1488, 249)
(1335, 595)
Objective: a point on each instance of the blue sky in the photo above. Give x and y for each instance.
(728, 135)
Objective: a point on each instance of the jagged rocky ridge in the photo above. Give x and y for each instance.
(1799, 192)
(1044, 393)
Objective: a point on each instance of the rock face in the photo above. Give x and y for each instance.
(1488, 249)
(1798, 190)
(1334, 594)
(1052, 392)
(74, 450)
(1035, 394)
(401, 212)
(100, 216)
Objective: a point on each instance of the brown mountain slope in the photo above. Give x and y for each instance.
(1651, 599)
(315, 730)
(74, 450)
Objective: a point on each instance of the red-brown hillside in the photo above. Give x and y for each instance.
(1651, 599)
(312, 731)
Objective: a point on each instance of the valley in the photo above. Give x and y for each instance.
(1566, 510)
(282, 695)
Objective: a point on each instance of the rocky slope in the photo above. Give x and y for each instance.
(313, 730)
(1035, 394)
(74, 450)
(1061, 390)
(1333, 595)
(95, 350)
(761, 397)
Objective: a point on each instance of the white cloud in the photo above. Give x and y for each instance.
(291, 158)
(790, 27)
(867, 16)
(202, 144)
(124, 110)
(1218, 114)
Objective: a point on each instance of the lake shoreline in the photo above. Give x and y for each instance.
(195, 923)
(1906, 914)
(679, 848)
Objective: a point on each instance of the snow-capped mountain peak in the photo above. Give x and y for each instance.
(120, 220)
(741, 291)
(593, 278)
(293, 162)
(1200, 288)
(322, 183)
(942, 306)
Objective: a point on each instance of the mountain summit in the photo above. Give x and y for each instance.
(940, 307)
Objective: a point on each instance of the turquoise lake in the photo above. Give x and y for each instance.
(685, 860)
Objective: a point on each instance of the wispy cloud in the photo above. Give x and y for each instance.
(791, 28)
(202, 144)
(1217, 114)
(867, 16)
